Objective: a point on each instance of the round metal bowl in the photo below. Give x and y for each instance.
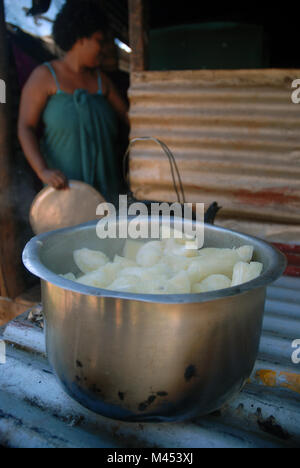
(139, 357)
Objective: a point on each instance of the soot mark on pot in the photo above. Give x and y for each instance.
(93, 388)
(271, 426)
(190, 372)
(144, 405)
(79, 364)
(121, 395)
(162, 394)
(78, 378)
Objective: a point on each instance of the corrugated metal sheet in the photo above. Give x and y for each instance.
(235, 135)
(35, 412)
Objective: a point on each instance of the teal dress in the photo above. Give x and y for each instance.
(80, 136)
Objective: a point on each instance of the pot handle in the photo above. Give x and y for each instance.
(173, 165)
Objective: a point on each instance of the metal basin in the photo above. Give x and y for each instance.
(148, 357)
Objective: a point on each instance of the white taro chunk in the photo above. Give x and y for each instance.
(124, 262)
(110, 270)
(150, 280)
(154, 285)
(100, 278)
(89, 260)
(145, 272)
(160, 269)
(212, 263)
(180, 237)
(129, 283)
(69, 276)
(149, 254)
(96, 279)
(245, 253)
(155, 277)
(244, 272)
(171, 247)
(212, 283)
(209, 251)
(131, 271)
(131, 248)
(175, 263)
(179, 284)
(166, 267)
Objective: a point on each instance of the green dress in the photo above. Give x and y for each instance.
(80, 136)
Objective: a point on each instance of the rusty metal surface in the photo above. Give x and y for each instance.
(35, 412)
(234, 133)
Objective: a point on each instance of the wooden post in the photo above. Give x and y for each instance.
(138, 34)
(11, 278)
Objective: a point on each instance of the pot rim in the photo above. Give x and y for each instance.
(32, 261)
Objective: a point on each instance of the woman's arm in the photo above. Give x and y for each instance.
(33, 101)
(116, 101)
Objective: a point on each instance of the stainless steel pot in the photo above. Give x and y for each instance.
(143, 357)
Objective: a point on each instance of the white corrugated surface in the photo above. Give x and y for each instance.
(235, 135)
(35, 412)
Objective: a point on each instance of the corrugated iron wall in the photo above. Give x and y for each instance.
(234, 133)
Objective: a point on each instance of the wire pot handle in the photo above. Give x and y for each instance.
(170, 156)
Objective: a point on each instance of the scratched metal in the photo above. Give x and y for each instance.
(234, 133)
(35, 411)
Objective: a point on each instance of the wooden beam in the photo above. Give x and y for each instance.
(11, 277)
(12, 308)
(138, 34)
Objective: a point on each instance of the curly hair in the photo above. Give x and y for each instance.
(78, 19)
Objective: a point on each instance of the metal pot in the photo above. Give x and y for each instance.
(139, 357)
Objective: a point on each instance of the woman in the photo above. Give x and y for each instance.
(77, 104)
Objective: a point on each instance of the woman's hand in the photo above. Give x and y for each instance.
(54, 178)
(34, 98)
